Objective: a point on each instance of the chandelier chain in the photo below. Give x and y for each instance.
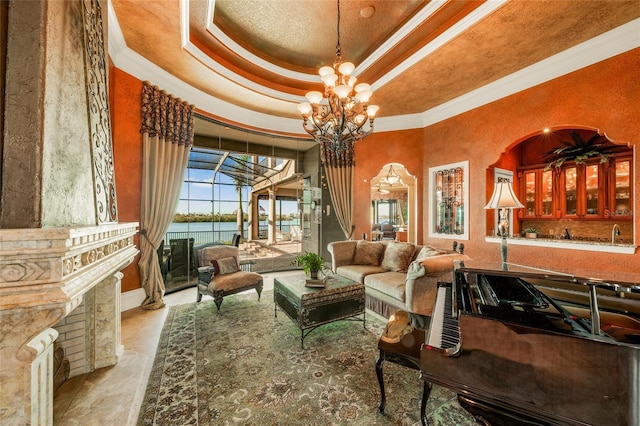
(338, 49)
(338, 117)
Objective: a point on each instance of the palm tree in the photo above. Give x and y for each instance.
(242, 160)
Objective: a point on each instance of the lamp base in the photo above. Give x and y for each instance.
(503, 252)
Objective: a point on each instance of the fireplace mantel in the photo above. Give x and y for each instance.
(44, 275)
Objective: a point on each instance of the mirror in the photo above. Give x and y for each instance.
(393, 204)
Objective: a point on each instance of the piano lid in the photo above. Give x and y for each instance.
(514, 269)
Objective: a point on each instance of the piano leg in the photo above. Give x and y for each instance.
(379, 363)
(426, 391)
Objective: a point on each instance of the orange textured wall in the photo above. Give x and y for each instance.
(125, 93)
(603, 96)
(371, 155)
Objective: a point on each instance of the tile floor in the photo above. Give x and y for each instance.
(112, 395)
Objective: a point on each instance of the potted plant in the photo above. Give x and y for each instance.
(531, 233)
(578, 150)
(311, 263)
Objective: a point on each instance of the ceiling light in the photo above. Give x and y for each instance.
(392, 177)
(339, 119)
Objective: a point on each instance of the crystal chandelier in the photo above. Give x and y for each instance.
(338, 120)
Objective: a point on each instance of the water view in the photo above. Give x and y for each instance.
(204, 232)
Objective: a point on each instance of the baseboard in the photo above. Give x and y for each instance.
(132, 299)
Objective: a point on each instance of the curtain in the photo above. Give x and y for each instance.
(167, 136)
(339, 165)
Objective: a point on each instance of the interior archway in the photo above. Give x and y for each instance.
(574, 182)
(393, 199)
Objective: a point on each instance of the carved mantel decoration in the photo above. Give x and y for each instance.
(44, 275)
(98, 112)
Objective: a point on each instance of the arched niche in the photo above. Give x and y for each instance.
(385, 187)
(541, 166)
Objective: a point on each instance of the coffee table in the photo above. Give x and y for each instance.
(311, 307)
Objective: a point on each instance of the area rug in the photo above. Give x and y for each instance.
(245, 366)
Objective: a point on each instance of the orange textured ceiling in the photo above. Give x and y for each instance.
(301, 36)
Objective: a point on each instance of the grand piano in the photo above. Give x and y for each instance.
(516, 355)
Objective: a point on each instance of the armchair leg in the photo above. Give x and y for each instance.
(383, 400)
(218, 300)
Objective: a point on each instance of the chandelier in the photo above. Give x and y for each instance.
(392, 177)
(338, 120)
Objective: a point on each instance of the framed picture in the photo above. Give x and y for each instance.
(449, 201)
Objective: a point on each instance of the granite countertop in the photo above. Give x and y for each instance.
(621, 246)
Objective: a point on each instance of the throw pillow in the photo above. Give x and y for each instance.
(225, 265)
(428, 251)
(367, 253)
(397, 256)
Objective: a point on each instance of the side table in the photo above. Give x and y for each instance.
(400, 343)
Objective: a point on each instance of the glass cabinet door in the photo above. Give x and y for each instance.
(546, 192)
(530, 193)
(592, 185)
(570, 191)
(622, 206)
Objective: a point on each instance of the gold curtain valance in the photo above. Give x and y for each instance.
(165, 116)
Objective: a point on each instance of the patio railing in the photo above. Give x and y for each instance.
(203, 237)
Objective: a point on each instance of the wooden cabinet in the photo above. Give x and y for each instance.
(592, 190)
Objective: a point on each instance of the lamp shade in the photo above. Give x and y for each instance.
(503, 197)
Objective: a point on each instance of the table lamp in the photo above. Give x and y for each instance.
(504, 199)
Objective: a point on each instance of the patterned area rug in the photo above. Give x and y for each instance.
(243, 366)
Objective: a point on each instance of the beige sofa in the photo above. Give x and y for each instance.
(396, 275)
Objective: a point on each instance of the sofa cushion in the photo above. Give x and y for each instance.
(397, 256)
(428, 251)
(368, 253)
(357, 273)
(225, 265)
(391, 283)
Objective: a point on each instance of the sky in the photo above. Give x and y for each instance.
(198, 188)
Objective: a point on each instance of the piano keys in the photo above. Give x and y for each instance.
(515, 355)
(444, 335)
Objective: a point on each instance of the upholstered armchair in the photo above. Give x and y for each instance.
(388, 231)
(220, 273)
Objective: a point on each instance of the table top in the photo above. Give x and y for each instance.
(295, 284)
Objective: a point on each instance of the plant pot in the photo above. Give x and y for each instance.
(313, 275)
(531, 235)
